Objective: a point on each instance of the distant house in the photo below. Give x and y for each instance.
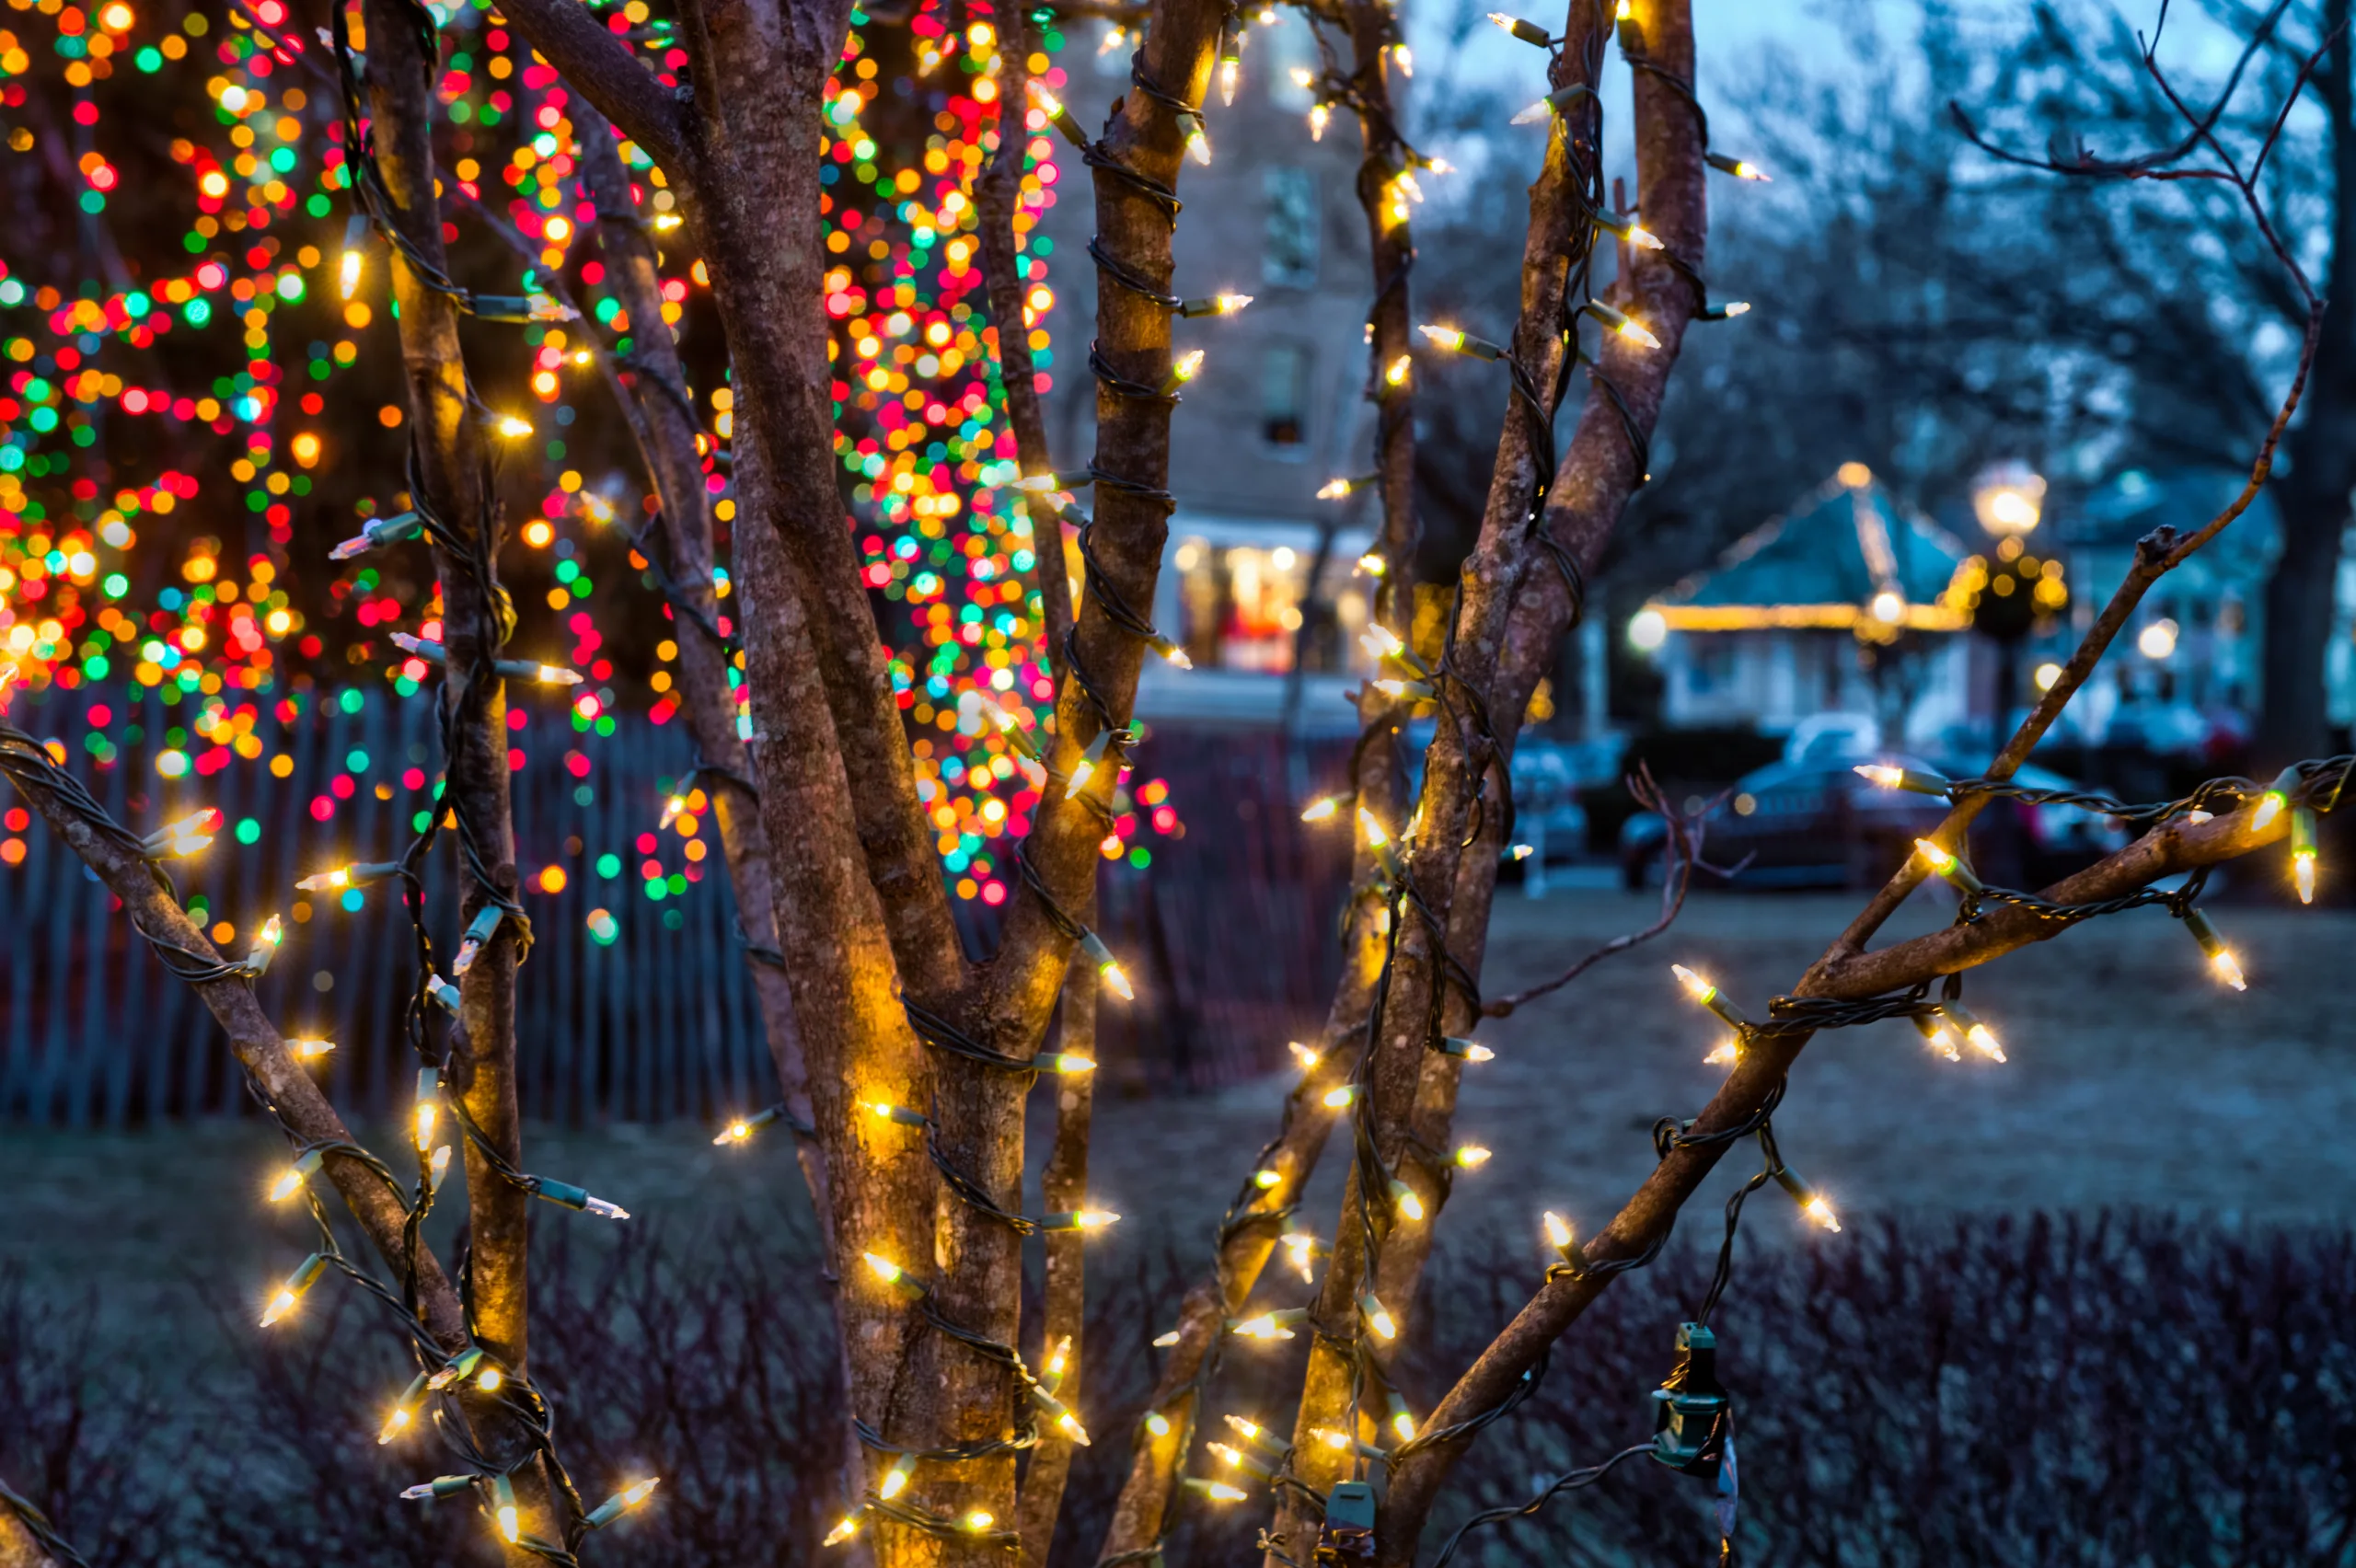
(2195, 666)
(1278, 409)
(1231, 593)
(2188, 669)
(1845, 603)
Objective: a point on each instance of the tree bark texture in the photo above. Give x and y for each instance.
(667, 428)
(1465, 771)
(1392, 247)
(2312, 497)
(869, 916)
(755, 209)
(855, 1036)
(1063, 1188)
(453, 479)
(1599, 472)
(1140, 150)
(1142, 1514)
(983, 1111)
(293, 1094)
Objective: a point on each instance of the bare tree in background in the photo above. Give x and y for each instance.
(920, 1058)
(1934, 308)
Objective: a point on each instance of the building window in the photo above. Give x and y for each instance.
(1240, 608)
(1289, 259)
(1284, 397)
(1112, 60)
(1289, 48)
(1710, 670)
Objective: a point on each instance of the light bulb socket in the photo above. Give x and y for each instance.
(562, 1193)
(2204, 932)
(1959, 875)
(1802, 1194)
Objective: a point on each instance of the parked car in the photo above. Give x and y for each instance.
(1811, 823)
(1547, 815)
(1547, 777)
(1813, 820)
(2055, 840)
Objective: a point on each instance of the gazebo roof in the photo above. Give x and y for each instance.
(1845, 555)
(2130, 504)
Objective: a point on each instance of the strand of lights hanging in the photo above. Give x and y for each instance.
(264, 245)
(442, 1378)
(61, 582)
(1386, 1198)
(922, 435)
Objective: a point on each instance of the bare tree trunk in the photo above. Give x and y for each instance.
(842, 974)
(667, 429)
(28, 1539)
(292, 1093)
(452, 484)
(1373, 29)
(2312, 499)
(1063, 1188)
(755, 198)
(1425, 964)
(2302, 597)
(997, 198)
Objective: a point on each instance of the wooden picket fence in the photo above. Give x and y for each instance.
(1230, 933)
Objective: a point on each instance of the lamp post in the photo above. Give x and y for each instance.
(2011, 591)
(2009, 498)
(2009, 501)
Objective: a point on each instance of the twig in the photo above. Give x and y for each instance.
(998, 201)
(1643, 1224)
(1680, 856)
(1063, 1187)
(2143, 165)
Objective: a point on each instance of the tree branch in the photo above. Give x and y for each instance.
(610, 76)
(1063, 1189)
(663, 417)
(1846, 971)
(1136, 165)
(1648, 1217)
(998, 201)
(855, 1034)
(290, 1091)
(1678, 856)
(451, 483)
(1247, 1236)
(2140, 166)
(1409, 1104)
(752, 216)
(1387, 158)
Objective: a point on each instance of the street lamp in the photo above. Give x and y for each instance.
(2009, 498)
(2013, 591)
(2013, 586)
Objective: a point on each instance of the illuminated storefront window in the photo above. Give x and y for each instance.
(1239, 596)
